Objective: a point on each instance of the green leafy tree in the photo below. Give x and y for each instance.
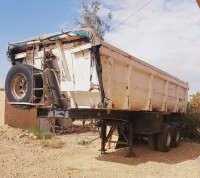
(191, 121)
(91, 19)
(194, 103)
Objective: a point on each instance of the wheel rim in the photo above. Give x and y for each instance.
(19, 86)
(168, 139)
(177, 136)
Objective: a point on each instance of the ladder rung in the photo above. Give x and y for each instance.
(40, 104)
(38, 58)
(37, 88)
(38, 73)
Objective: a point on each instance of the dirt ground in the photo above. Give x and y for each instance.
(25, 157)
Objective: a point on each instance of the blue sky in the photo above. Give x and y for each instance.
(165, 34)
(21, 19)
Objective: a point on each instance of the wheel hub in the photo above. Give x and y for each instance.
(19, 86)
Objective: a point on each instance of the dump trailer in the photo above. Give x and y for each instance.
(75, 75)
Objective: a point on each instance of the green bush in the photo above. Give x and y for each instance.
(190, 124)
(83, 142)
(40, 134)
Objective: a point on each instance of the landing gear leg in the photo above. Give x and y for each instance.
(130, 140)
(103, 136)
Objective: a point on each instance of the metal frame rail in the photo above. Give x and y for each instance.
(120, 119)
(128, 122)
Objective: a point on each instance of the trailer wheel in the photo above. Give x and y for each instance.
(164, 139)
(176, 134)
(19, 84)
(152, 141)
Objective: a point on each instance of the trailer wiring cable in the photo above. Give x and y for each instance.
(132, 15)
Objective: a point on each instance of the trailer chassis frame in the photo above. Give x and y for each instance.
(132, 121)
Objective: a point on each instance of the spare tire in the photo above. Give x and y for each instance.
(19, 85)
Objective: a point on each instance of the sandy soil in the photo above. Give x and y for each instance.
(24, 157)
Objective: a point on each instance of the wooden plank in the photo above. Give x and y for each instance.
(80, 48)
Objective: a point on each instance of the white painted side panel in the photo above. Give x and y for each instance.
(83, 84)
(132, 84)
(128, 83)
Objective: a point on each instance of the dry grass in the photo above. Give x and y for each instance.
(53, 143)
(40, 134)
(94, 169)
(79, 170)
(120, 152)
(74, 169)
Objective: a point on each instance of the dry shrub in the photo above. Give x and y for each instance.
(53, 143)
(74, 169)
(83, 142)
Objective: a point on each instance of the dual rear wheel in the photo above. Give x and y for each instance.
(168, 138)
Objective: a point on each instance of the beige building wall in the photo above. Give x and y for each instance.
(2, 108)
(17, 118)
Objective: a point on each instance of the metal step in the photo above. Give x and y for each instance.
(25, 103)
(38, 73)
(38, 58)
(38, 88)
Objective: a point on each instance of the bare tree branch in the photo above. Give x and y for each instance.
(90, 19)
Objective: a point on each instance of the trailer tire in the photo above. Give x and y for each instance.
(19, 85)
(176, 134)
(164, 139)
(152, 141)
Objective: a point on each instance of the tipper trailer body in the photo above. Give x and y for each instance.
(75, 75)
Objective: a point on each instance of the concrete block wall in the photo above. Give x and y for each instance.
(17, 118)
